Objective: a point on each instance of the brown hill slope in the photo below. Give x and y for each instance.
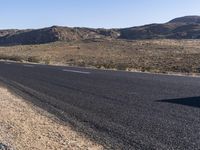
(163, 31)
(180, 28)
(186, 19)
(6, 32)
(52, 34)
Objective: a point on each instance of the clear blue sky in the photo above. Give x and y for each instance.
(92, 13)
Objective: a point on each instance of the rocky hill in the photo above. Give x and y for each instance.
(186, 19)
(180, 28)
(52, 34)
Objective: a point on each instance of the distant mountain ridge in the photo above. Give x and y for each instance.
(186, 19)
(187, 27)
(52, 34)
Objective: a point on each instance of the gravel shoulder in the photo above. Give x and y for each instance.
(23, 126)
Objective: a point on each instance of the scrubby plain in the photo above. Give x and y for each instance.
(160, 56)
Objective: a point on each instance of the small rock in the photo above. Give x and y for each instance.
(3, 147)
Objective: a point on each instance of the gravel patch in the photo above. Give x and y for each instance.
(23, 126)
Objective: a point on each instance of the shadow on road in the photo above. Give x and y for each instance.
(190, 101)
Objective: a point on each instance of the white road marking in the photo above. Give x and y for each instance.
(31, 66)
(75, 71)
(7, 63)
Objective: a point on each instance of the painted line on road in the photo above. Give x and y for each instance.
(7, 63)
(31, 66)
(75, 71)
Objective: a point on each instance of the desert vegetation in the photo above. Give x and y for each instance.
(161, 56)
(169, 47)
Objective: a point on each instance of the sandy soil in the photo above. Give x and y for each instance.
(157, 56)
(26, 127)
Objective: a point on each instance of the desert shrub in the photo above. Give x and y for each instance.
(148, 69)
(197, 70)
(47, 61)
(13, 58)
(184, 69)
(81, 63)
(33, 59)
(121, 66)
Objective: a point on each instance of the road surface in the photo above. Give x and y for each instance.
(121, 110)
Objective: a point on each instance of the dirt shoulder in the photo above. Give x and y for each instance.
(23, 127)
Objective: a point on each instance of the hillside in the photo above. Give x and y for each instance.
(180, 28)
(52, 34)
(186, 19)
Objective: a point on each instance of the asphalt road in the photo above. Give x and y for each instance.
(121, 110)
